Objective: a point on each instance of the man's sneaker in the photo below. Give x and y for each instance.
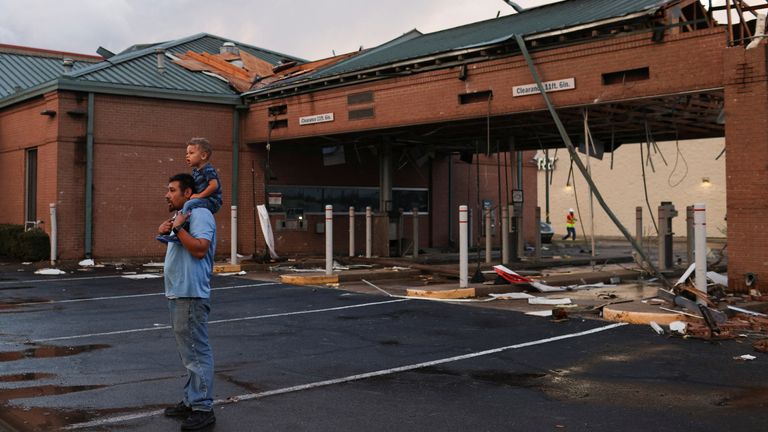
(167, 238)
(178, 410)
(198, 420)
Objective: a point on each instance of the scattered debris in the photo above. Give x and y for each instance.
(745, 357)
(656, 327)
(761, 346)
(677, 327)
(86, 263)
(50, 272)
(143, 276)
(512, 296)
(545, 313)
(559, 314)
(548, 301)
(745, 311)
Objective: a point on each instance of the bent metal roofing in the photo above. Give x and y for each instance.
(130, 72)
(552, 17)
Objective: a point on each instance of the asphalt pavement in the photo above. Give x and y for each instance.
(92, 351)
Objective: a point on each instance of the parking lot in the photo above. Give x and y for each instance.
(94, 352)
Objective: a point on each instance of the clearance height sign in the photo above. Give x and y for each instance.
(549, 86)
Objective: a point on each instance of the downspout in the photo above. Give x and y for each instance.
(580, 165)
(235, 171)
(235, 154)
(89, 179)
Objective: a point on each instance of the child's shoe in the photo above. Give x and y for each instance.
(168, 238)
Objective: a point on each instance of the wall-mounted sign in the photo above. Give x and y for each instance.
(549, 86)
(319, 118)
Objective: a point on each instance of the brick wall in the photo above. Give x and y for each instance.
(746, 111)
(432, 97)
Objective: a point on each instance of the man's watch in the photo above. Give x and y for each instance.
(176, 229)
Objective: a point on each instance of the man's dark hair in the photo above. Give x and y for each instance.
(186, 181)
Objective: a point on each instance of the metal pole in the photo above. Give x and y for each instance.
(233, 243)
(580, 165)
(415, 212)
(505, 234)
(351, 231)
(639, 231)
(328, 240)
(488, 237)
(463, 247)
(54, 233)
(700, 226)
(587, 145)
(368, 232)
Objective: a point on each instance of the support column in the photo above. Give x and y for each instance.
(746, 135)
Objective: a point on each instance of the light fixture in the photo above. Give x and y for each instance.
(568, 186)
(48, 112)
(705, 182)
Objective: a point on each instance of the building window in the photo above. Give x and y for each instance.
(30, 186)
(476, 97)
(313, 199)
(628, 75)
(362, 113)
(360, 98)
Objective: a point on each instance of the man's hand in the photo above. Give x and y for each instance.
(179, 220)
(165, 227)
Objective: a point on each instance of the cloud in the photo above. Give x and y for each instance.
(303, 28)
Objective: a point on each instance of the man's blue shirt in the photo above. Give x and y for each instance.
(185, 275)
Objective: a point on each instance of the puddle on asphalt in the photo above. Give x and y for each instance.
(44, 390)
(19, 302)
(49, 351)
(29, 376)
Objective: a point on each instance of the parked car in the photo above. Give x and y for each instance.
(546, 232)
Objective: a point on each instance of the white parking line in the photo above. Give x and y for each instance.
(261, 395)
(165, 327)
(134, 295)
(22, 281)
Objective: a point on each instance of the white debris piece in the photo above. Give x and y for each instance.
(545, 313)
(687, 274)
(678, 327)
(512, 296)
(745, 357)
(718, 278)
(86, 263)
(546, 288)
(548, 301)
(143, 276)
(50, 272)
(656, 327)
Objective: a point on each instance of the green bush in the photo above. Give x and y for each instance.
(32, 245)
(9, 239)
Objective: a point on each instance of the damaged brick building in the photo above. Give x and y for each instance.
(426, 121)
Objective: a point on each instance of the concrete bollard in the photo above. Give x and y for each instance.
(233, 233)
(463, 247)
(700, 228)
(328, 240)
(351, 231)
(368, 232)
(504, 234)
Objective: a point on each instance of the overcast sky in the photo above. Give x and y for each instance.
(303, 28)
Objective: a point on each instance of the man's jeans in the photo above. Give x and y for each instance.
(189, 320)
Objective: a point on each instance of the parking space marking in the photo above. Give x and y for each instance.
(317, 384)
(58, 279)
(136, 295)
(224, 321)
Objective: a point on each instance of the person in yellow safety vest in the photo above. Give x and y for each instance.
(570, 225)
